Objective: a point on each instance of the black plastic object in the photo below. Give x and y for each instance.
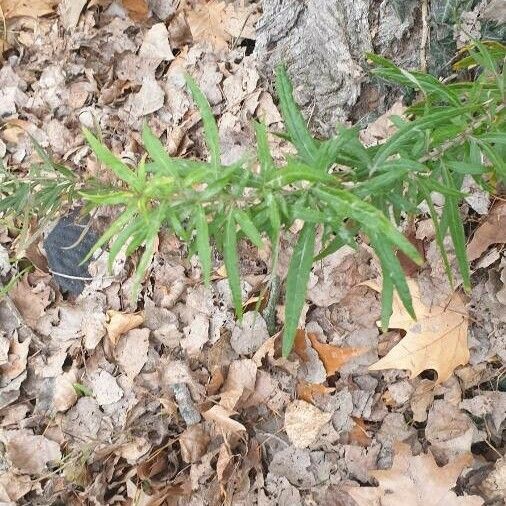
(64, 261)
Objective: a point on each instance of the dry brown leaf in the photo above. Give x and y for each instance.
(207, 24)
(332, 357)
(240, 383)
(120, 323)
(358, 434)
(415, 481)
(29, 453)
(303, 422)
(137, 9)
(491, 231)
(30, 8)
(221, 417)
(131, 352)
(17, 359)
(31, 295)
(193, 441)
(437, 340)
(307, 391)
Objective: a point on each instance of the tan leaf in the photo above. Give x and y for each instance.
(306, 391)
(70, 11)
(223, 463)
(207, 24)
(131, 352)
(240, 383)
(415, 481)
(137, 9)
(221, 417)
(28, 453)
(31, 295)
(17, 359)
(334, 357)
(120, 323)
(30, 8)
(303, 422)
(193, 441)
(436, 340)
(491, 231)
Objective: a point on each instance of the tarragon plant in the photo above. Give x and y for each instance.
(336, 187)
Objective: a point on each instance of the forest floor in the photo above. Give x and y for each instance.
(169, 400)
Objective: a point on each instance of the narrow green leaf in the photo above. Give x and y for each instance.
(210, 126)
(203, 244)
(249, 228)
(457, 232)
(121, 170)
(232, 262)
(296, 283)
(263, 151)
(157, 152)
(294, 122)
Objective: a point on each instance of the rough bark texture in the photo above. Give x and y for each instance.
(323, 44)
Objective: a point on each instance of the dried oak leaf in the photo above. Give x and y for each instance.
(491, 231)
(303, 422)
(415, 481)
(436, 340)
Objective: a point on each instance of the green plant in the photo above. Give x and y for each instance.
(336, 187)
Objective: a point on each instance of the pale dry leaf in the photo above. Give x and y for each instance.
(221, 417)
(13, 487)
(149, 99)
(415, 481)
(156, 44)
(240, 21)
(303, 422)
(105, 388)
(491, 231)
(17, 359)
(65, 395)
(194, 441)
(70, 11)
(240, 383)
(207, 24)
(436, 340)
(28, 453)
(29, 8)
(131, 351)
(224, 459)
(120, 323)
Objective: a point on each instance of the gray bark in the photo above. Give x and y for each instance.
(323, 45)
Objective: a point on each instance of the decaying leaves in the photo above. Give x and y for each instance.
(29, 8)
(437, 340)
(416, 481)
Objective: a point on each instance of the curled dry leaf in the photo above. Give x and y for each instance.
(436, 340)
(207, 24)
(194, 441)
(415, 481)
(303, 422)
(491, 231)
(221, 417)
(120, 323)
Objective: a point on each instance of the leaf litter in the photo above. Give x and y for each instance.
(99, 394)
